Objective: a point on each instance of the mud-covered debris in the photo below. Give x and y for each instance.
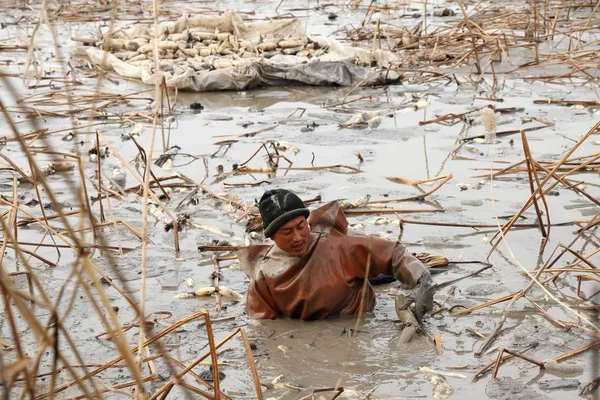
(207, 291)
(381, 221)
(228, 292)
(358, 203)
(254, 223)
(29, 203)
(283, 348)
(374, 122)
(362, 120)
(202, 292)
(472, 203)
(93, 153)
(410, 324)
(590, 388)
(215, 230)
(356, 227)
(156, 211)
(251, 238)
(118, 179)
(382, 235)
(446, 12)
(207, 375)
(345, 205)
(309, 128)
(165, 160)
(443, 373)
(183, 220)
(69, 137)
(410, 38)
(51, 169)
(106, 281)
(188, 295)
(283, 146)
(191, 198)
(221, 242)
(507, 388)
(559, 384)
(554, 367)
(441, 388)
(432, 260)
(348, 332)
(196, 106)
(473, 149)
(137, 130)
(489, 119)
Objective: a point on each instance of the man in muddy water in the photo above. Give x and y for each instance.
(316, 269)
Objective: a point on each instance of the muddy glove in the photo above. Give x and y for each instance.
(422, 296)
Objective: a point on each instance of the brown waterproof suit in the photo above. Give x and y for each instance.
(329, 278)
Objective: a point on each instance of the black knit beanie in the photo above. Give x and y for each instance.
(279, 206)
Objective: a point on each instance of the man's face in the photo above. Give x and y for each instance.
(293, 236)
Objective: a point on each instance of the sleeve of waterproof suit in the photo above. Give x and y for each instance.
(386, 257)
(258, 305)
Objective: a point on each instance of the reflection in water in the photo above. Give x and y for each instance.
(257, 100)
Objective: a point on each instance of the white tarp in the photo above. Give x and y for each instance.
(224, 53)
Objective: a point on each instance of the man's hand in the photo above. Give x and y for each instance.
(422, 296)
